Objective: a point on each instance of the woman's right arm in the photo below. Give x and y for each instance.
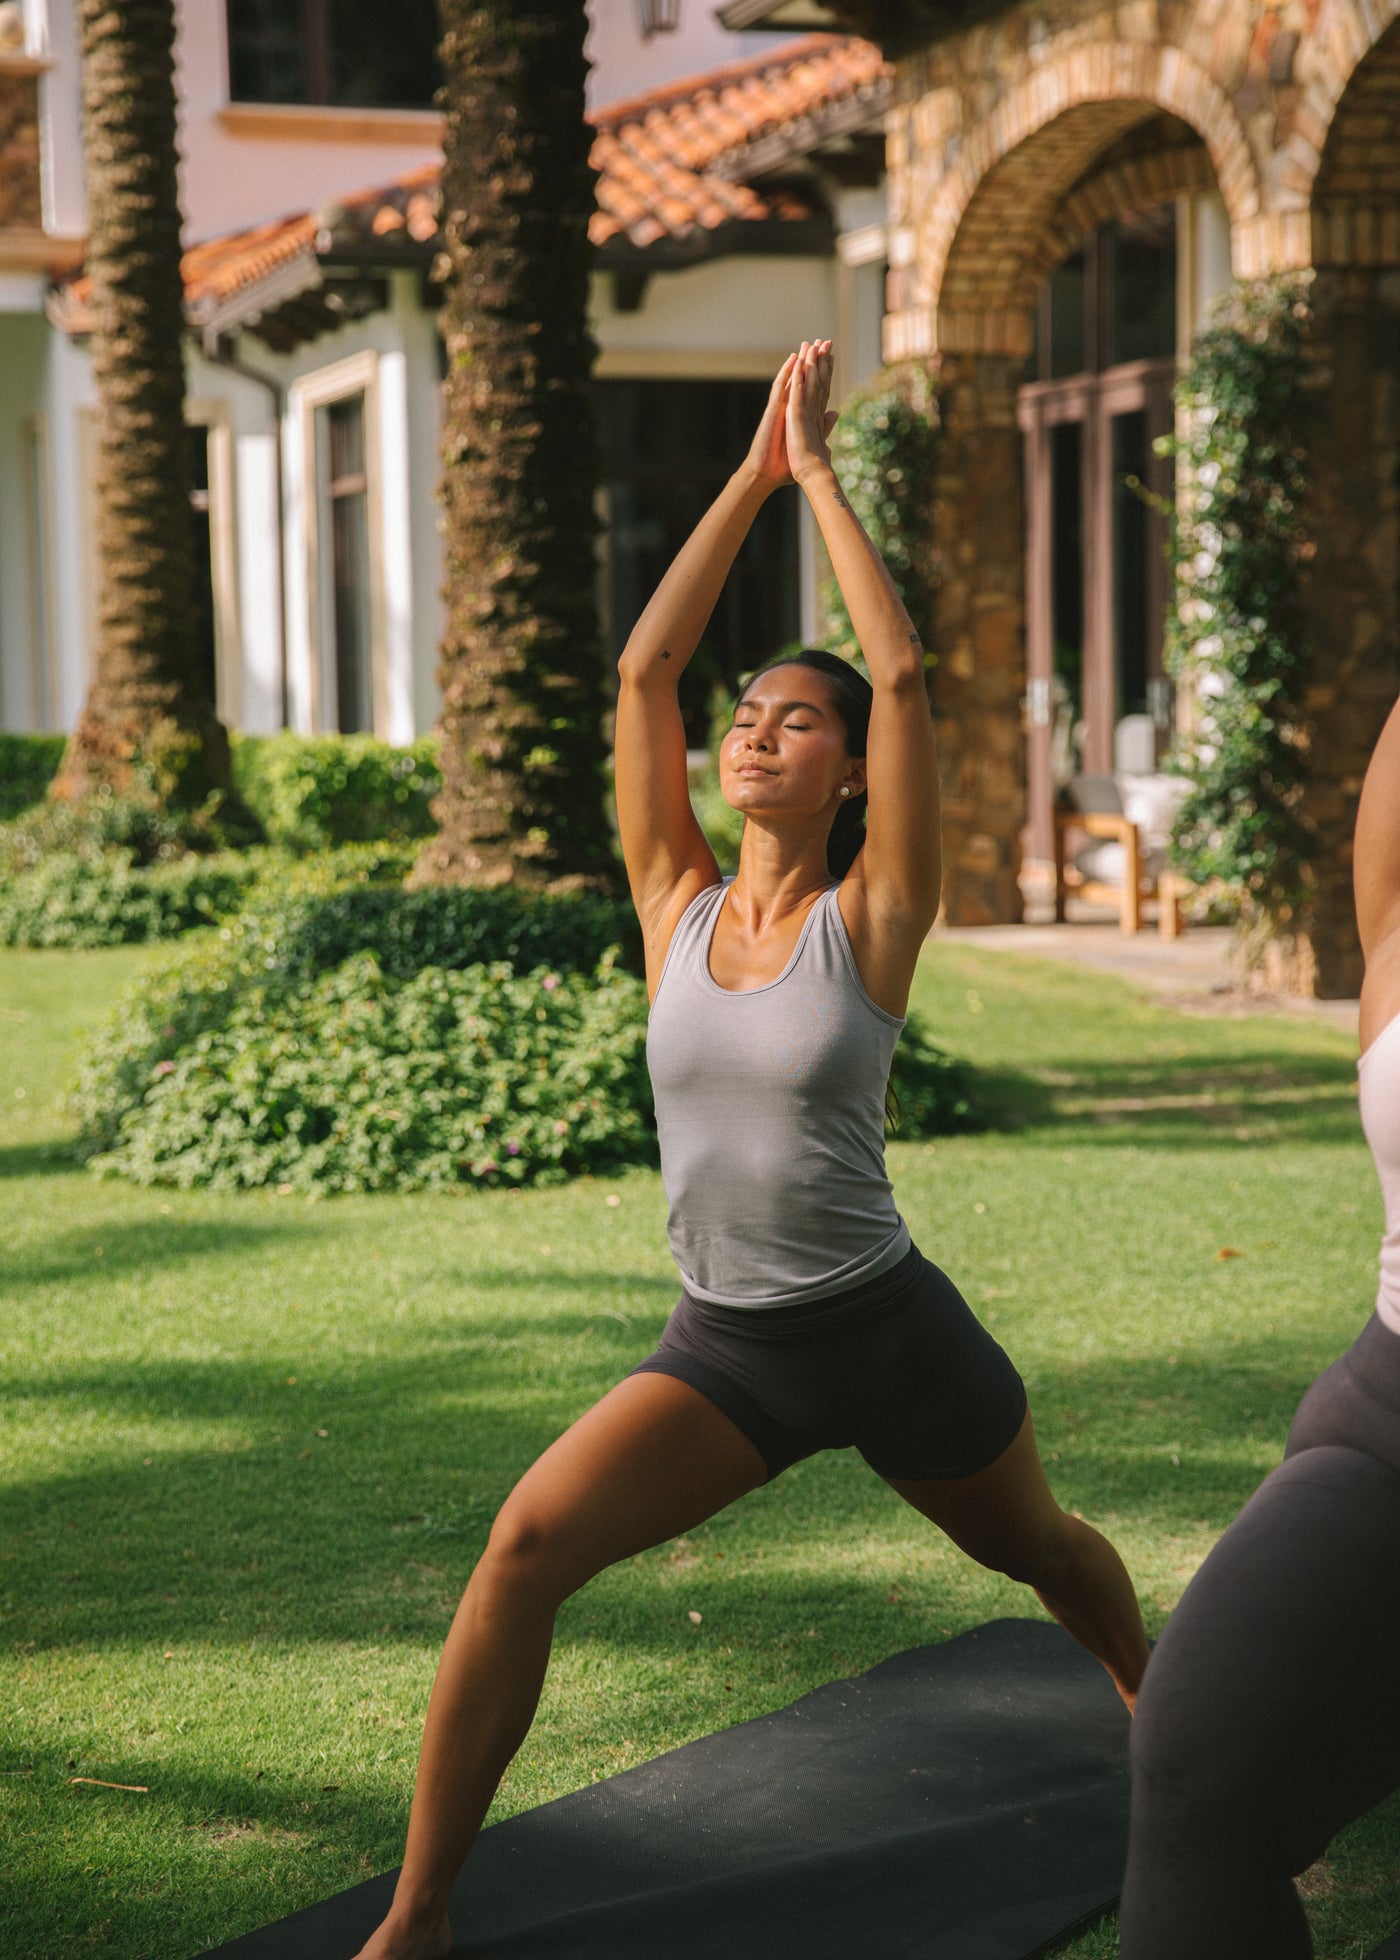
(666, 853)
(1377, 874)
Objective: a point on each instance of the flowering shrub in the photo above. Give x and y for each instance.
(310, 792)
(356, 1081)
(884, 450)
(932, 1093)
(28, 764)
(72, 899)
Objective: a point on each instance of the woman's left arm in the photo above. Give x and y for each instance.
(899, 872)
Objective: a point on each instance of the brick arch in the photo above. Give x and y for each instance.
(1339, 41)
(1134, 185)
(993, 209)
(1355, 204)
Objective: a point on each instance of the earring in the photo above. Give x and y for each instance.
(845, 789)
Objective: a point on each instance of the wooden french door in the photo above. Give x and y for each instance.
(1095, 571)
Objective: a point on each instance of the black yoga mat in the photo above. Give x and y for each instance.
(968, 1801)
(1388, 1949)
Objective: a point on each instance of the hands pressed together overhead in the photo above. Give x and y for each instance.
(792, 436)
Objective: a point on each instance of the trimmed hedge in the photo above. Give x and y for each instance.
(71, 900)
(28, 764)
(311, 792)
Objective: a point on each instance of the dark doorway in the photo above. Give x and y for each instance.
(668, 448)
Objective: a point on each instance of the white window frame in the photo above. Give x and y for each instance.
(357, 375)
(37, 505)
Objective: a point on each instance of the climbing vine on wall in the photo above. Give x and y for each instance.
(885, 449)
(1235, 634)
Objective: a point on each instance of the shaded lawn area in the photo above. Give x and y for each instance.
(250, 1446)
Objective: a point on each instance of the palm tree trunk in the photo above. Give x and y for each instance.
(521, 663)
(146, 730)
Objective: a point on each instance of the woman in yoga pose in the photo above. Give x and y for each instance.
(1270, 1716)
(808, 1320)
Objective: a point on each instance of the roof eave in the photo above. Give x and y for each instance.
(864, 110)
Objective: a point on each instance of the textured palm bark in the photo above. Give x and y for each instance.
(145, 730)
(521, 663)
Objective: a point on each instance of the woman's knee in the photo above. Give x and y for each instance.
(533, 1549)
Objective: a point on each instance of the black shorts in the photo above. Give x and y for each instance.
(900, 1368)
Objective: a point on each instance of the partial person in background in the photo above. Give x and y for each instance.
(1270, 1716)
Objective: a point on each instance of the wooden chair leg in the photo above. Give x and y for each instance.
(1168, 906)
(1132, 879)
(1060, 888)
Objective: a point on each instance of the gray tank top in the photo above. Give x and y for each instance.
(1380, 1118)
(770, 1106)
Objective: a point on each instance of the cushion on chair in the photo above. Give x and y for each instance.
(1152, 802)
(1103, 862)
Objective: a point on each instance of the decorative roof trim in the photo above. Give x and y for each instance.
(673, 164)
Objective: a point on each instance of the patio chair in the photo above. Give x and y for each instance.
(1120, 825)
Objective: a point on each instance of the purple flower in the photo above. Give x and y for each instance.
(550, 982)
(513, 1147)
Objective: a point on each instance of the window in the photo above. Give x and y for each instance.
(337, 641)
(1111, 301)
(668, 449)
(354, 54)
(350, 623)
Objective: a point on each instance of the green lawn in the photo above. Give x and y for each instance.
(250, 1446)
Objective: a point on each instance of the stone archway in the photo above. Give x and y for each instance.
(1354, 580)
(991, 208)
(1028, 210)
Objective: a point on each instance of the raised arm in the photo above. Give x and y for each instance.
(666, 853)
(1377, 876)
(898, 876)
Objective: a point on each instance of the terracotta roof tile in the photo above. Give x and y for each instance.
(670, 162)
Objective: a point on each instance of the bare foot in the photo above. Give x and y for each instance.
(405, 1939)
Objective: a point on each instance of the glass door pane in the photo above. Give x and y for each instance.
(1066, 598)
(350, 580)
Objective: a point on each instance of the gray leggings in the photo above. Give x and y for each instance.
(1270, 1715)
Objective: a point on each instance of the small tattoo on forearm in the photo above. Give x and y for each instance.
(840, 500)
(913, 639)
(665, 653)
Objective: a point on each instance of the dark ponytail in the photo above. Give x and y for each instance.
(851, 696)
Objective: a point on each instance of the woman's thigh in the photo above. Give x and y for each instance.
(1270, 1715)
(652, 1459)
(1005, 1516)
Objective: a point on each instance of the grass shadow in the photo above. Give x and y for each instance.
(144, 1246)
(59, 1159)
(1170, 1104)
